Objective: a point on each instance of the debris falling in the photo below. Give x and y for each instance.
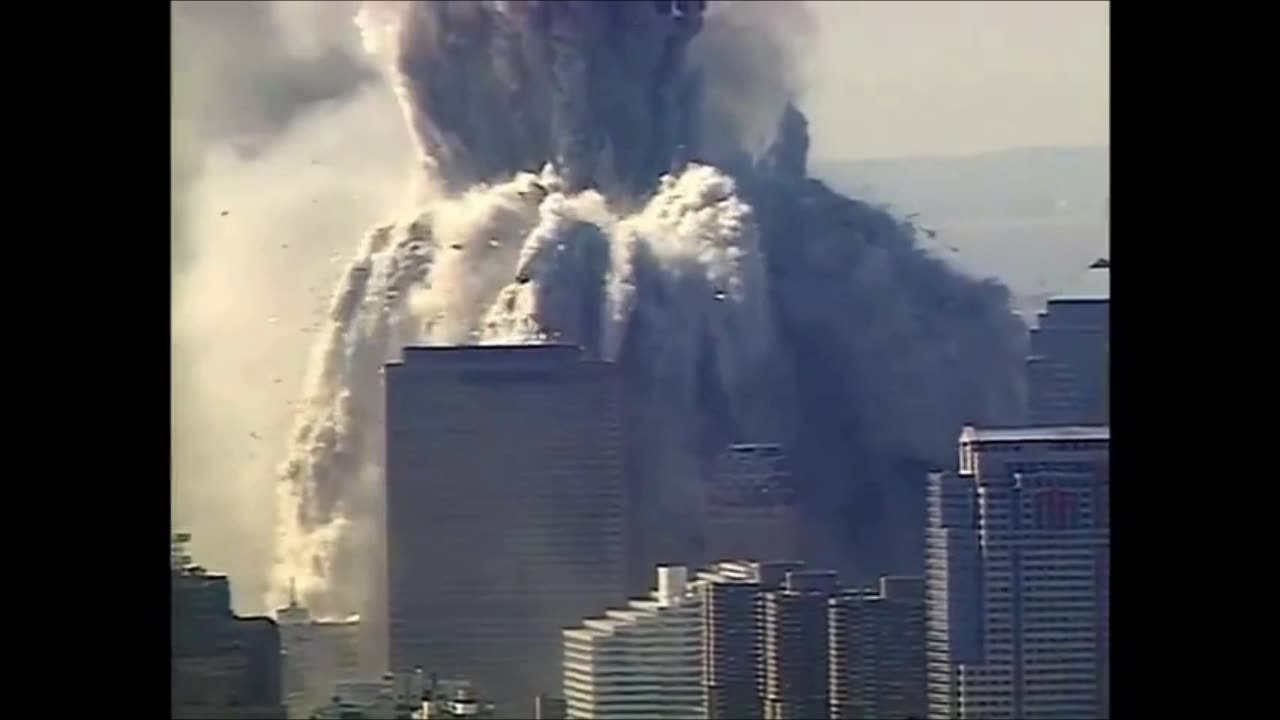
(595, 176)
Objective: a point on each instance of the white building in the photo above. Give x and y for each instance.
(1017, 576)
(318, 654)
(642, 662)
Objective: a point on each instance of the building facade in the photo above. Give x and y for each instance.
(1068, 368)
(733, 636)
(550, 707)
(1017, 576)
(743, 639)
(796, 646)
(223, 666)
(878, 651)
(751, 506)
(641, 662)
(504, 507)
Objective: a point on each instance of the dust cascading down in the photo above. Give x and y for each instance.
(592, 174)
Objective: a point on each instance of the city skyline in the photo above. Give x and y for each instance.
(280, 122)
(591, 360)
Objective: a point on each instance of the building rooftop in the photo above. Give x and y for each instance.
(451, 357)
(972, 434)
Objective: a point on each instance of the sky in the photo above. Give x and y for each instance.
(912, 78)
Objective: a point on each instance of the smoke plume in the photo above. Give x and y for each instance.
(287, 144)
(631, 177)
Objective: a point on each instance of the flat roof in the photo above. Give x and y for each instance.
(477, 356)
(1035, 434)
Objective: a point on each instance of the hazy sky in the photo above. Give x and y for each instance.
(907, 78)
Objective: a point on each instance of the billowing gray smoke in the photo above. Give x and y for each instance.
(630, 176)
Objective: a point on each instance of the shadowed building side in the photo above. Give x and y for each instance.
(1068, 369)
(223, 666)
(751, 506)
(878, 651)
(504, 510)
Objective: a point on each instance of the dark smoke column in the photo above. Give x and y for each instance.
(875, 351)
(500, 87)
(504, 511)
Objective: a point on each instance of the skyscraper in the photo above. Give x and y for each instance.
(877, 651)
(751, 505)
(1069, 364)
(223, 666)
(504, 510)
(1017, 576)
(733, 649)
(796, 650)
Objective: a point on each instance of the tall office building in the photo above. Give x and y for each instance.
(751, 505)
(223, 666)
(877, 651)
(318, 654)
(1069, 365)
(732, 636)
(641, 662)
(504, 507)
(1017, 576)
(796, 650)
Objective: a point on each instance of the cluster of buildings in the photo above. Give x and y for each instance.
(222, 666)
(292, 666)
(745, 639)
(510, 535)
(1009, 620)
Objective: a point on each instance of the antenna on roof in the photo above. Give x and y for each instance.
(293, 593)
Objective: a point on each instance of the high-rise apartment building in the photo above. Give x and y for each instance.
(504, 510)
(751, 505)
(1017, 576)
(318, 654)
(732, 636)
(1068, 368)
(641, 662)
(878, 651)
(223, 666)
(744, 639)
(796, 650)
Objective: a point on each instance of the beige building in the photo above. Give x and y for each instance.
(1017, 576)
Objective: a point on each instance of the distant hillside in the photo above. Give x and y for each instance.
(1035, 217)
